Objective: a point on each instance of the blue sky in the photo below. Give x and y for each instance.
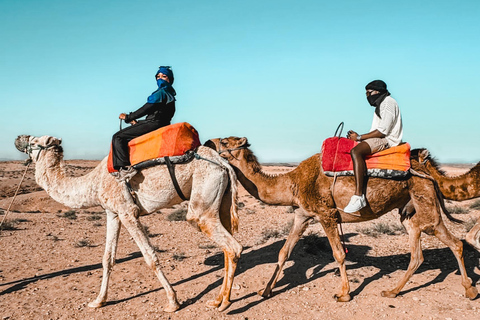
(283, 74)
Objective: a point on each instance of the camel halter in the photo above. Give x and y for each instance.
(220, 151)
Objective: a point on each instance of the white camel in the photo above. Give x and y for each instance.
(204, 180)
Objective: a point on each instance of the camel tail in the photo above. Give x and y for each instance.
(234, 189)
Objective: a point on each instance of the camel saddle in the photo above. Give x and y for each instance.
(391, 163)
(169, 144)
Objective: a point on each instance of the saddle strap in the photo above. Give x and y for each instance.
(171, 170)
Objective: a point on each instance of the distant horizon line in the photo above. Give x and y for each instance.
(279, 164)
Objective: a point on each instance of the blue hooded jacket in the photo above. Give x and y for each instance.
(160, 106)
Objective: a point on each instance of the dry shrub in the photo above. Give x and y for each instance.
(179, 256)
(457, 209)
(469, 224)
(11, 224)
(70, 214)
(475, 205)
(84, 243)
(380, 228)
(271, 233)
(179, 214)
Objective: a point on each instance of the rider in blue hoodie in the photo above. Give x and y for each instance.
(159, 110)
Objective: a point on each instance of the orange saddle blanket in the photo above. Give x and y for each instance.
(172, 140)
(336, 158)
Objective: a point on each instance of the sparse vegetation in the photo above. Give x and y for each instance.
(70, 214)
(270, 233)
(11, 224)
(94, 217)
(179, 214)
(380, 228)
(457, 209)
(179, 256)
(207, 246)
(469, 224)
(475, 205)
(84, 243)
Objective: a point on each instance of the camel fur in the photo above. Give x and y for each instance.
(458, 188)
(308, 188)
(209, 183)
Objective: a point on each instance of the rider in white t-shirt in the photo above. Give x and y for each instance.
(386, 132)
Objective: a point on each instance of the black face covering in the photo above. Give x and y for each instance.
(373, 98)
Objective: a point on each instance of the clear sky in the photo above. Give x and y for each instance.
(284, 74)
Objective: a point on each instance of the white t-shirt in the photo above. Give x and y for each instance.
(390, 123)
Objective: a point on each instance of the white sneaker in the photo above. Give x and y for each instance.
(356, 203)
(125, 174)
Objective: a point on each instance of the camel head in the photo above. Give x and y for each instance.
(228, 148)
(33, 146)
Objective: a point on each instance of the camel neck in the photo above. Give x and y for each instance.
(269, 188)
(458, 188)
(74, 192)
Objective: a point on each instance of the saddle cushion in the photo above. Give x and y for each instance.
(336, 159)
(172, 140)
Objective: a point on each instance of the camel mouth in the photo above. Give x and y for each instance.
(22, 142)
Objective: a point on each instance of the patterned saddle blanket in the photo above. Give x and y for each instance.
(150, 149)
(391, 163)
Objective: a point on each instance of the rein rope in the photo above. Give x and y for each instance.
(338, 133)
(15, 195)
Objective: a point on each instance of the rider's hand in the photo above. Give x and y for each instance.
(122, 116)
(133, 122)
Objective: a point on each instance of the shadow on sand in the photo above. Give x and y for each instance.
(310, 251)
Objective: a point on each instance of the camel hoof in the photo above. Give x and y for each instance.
(388, 294)
(344, 298)
(224, 306)
(471, 293)
(172, 307)
(95, 304)
(265, 293)
(213, 303)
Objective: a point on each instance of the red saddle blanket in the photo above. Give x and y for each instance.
(336, 156)
(172, 140)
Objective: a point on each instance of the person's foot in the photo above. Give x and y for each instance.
(125, 173)
(356, 203)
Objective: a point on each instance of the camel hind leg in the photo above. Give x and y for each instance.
(204, 209)
(416, 257)
(300, 224)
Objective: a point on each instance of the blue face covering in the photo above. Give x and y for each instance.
(166, 71)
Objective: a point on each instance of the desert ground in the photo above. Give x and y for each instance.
(50, 263)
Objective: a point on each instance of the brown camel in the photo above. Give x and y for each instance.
(212, 205)
(309, 188)
(458, 188)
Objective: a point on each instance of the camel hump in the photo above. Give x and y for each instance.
(173, 140)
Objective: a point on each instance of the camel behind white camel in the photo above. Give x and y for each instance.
(212, 205)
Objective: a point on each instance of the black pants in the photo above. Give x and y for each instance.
(121, 138)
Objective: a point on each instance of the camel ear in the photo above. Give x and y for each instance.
(423, 155)
(53, 141)
(242, 142)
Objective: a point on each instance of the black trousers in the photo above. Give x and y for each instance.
(121, 139)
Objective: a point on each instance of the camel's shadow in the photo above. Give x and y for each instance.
(310, 252)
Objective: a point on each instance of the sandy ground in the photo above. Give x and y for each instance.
(50, 264)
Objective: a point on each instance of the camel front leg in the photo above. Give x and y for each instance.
(416, 258)
(456, 246)
(113, 231)
(300, 224)
(330, 226)
(135, 228)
